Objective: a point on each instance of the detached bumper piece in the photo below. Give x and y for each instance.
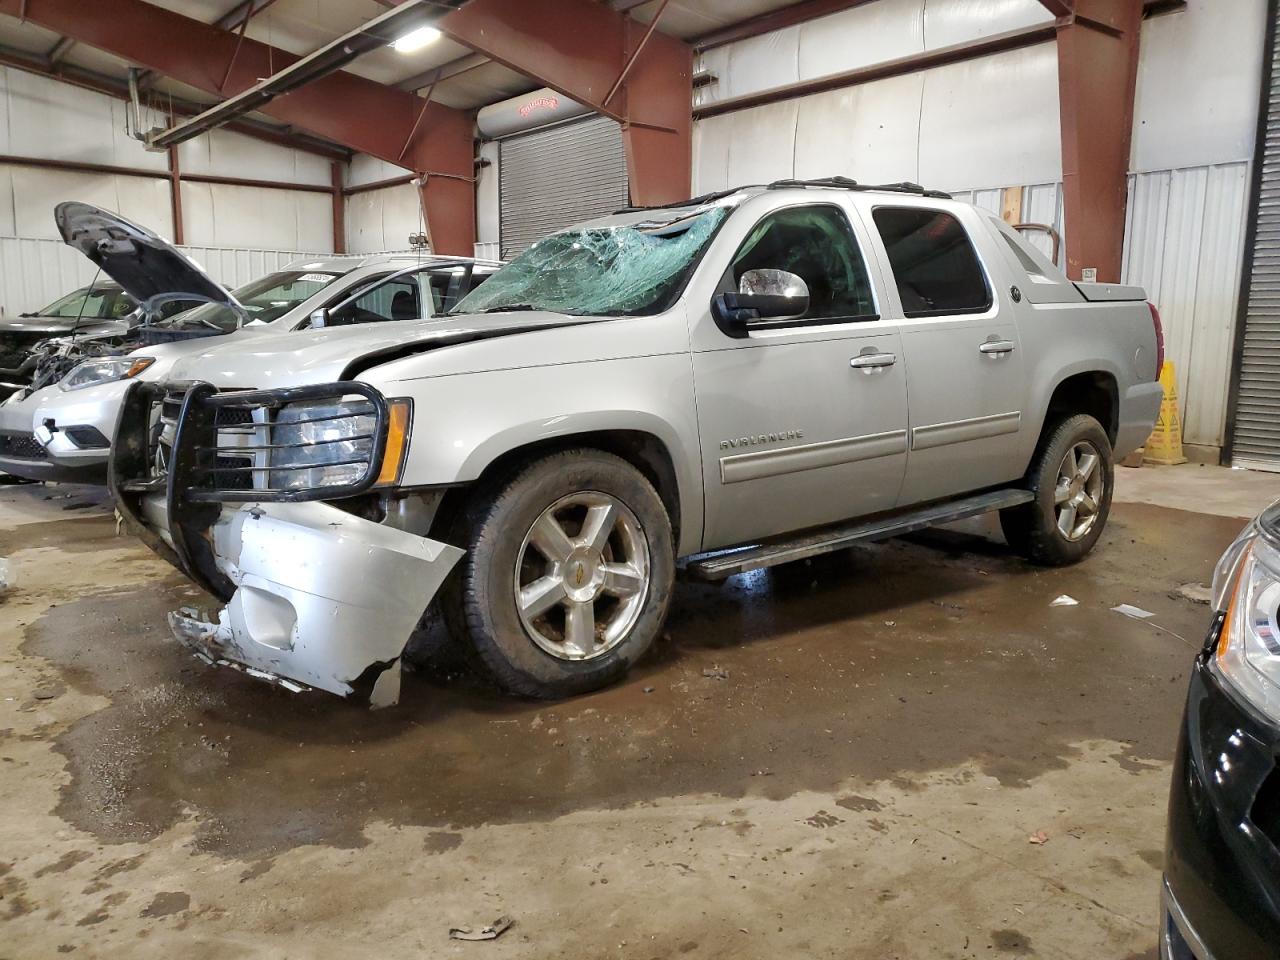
(227, 486)
(322, 598)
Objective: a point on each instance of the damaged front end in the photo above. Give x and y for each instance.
(282, 504)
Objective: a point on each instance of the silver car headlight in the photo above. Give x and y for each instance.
(331, 444)
(89, 373)
(1246, 590)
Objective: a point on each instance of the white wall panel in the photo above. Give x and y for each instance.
(992, 121)
(227, 154)
(380, 220)
(985, 123)
(36, 191)
(1184, 245)
(771, 60)
(859, 37)
(949, 22)
(56, 120)
(34, 273)
(1198, 77)
(260, 217)
(366, 169)
(868, 132)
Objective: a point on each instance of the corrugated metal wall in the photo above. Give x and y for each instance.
(34, 273)
(1184, 243)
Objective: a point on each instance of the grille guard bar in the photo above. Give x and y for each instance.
(192, 509)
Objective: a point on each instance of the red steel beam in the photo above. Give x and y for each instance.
(359, 113)
(339, 209)
(580, 48)
(1097, 76)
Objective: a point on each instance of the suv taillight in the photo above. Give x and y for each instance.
(1155, 321)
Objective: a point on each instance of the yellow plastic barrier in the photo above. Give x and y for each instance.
(1164, 446)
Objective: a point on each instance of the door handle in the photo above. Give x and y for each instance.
(996, 347)
(873, 361)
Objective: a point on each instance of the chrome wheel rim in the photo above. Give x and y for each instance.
(582, 576)
(1077, 494)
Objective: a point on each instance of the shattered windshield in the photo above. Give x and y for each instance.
(601, 270)
(266, 299)
(91, 303)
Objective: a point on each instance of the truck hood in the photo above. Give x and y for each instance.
(290, 359)
(149, 268)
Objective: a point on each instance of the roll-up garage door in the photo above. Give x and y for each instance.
(551, 178)
(1255, 427)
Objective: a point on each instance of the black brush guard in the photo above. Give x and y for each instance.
(190, 484)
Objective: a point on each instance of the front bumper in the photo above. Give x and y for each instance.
(321, 597)
(314, 594)
(24, 455)
(1222, 881)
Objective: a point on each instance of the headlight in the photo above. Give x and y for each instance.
(1247, 590)
(327, 444)
(92, 372)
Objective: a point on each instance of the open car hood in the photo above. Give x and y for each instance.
(149, 268)
(317, 356)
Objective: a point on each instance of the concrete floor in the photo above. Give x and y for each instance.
(895, 723)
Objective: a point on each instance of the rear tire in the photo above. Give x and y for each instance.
(1072, 476)
(567, 577)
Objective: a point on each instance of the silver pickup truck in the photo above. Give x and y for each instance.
(741, 380)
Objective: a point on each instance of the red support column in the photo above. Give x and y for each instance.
(1097, 76)
(582, 49)
(175, 196)
(339, 209)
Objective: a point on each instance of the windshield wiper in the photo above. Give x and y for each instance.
(512, 308)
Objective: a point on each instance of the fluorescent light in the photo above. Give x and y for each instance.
(416, 39)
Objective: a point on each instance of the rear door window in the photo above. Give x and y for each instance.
(933, 261)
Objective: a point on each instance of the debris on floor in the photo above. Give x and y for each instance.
(715, 673)
(1135, 613)
(1195, 592)
(6, 577)
(1039, 838)
(1064, 601)
(491, 932)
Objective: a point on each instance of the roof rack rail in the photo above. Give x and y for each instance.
(693, 201)
(839, 183)
(845, 183)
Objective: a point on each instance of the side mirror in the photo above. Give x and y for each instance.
(763, 295)
(319, 319)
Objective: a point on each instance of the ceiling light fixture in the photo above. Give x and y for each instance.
(416, 39)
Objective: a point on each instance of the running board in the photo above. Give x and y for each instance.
(717, 566)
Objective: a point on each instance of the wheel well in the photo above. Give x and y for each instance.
(644, 451)
(1093, 393)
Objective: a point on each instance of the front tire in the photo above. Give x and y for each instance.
(568, 574)
(1072, 476)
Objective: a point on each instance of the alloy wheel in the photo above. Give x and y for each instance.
(582, 576)
(1077, 495)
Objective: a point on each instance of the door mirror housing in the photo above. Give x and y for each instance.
(319, 319)
(763, 297)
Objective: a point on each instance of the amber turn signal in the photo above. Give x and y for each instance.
(399, 417)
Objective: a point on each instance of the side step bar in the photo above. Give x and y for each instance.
(717, 566)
